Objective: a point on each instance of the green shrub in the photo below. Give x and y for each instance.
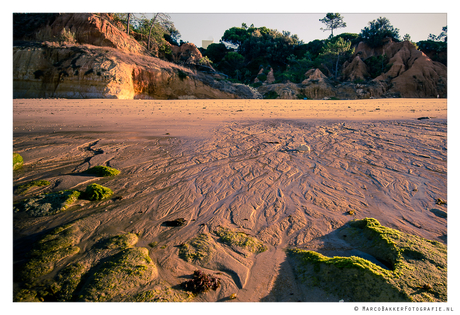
(271, 95)
(182, 75)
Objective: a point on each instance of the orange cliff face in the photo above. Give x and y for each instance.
(104, 62)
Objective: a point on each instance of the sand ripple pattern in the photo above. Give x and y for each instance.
(251, 177)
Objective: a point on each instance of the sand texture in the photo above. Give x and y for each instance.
(248, 180)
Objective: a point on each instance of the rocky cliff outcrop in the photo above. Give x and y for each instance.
(85, 71)
(410, 73)
(103, 62)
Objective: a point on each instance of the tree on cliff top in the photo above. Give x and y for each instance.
(333, 21)
(374, 34)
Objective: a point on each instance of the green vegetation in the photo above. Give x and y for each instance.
(102, 171)
(162, 294)
(52, 248)
(377, 65)
(333, 21)
(120, 241)
(48, 204)
(130, 268)
(271, 95)
(416, 268)
(156, 34)
(240, 239)
(199, 249)
(18, 161)
(97, 192)
(182, 75)
(67, 281)
(35, 183)
(378, 30)
(26, 295)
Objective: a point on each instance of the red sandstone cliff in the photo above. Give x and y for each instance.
(103, 62)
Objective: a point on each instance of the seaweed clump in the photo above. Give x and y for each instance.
(18, 161)
(201, 282)
(48, 204)
(102, 171)
(241, 239)
(97, 192)
(413, 268)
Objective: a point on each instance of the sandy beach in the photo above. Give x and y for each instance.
(288, 173)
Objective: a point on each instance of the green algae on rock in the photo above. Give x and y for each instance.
(162, 293)
(199, 249)
(121, 241)
(35, 183)
(48, 204)
(97, 192)
(52, 248)
(26, 295)
(68, 280)
(18, 161)
(102, 171)
(240, 239)
(130, 268)
(417, 267)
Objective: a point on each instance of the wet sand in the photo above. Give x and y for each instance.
(241, 164)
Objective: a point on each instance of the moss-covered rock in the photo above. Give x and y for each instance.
(97, 192)
(68, 280)
(48, 204)
(121, 241)
(128, 269)
(198, 250)
(162, 293)
(52, 248)
(102, 171)
(26, 295)
(240, 239)
(35, 183)
(416, 267)
(18, 161)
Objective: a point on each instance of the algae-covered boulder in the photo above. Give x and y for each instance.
(48, 204)
(200, 249)
(18, 161)
(102, 171)
(26, 295)
(412, 268)
(68, 280)
(97, 192)
(121, 241)
(162, 293)
(52, 248)
(240, 239)
(130, 268)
